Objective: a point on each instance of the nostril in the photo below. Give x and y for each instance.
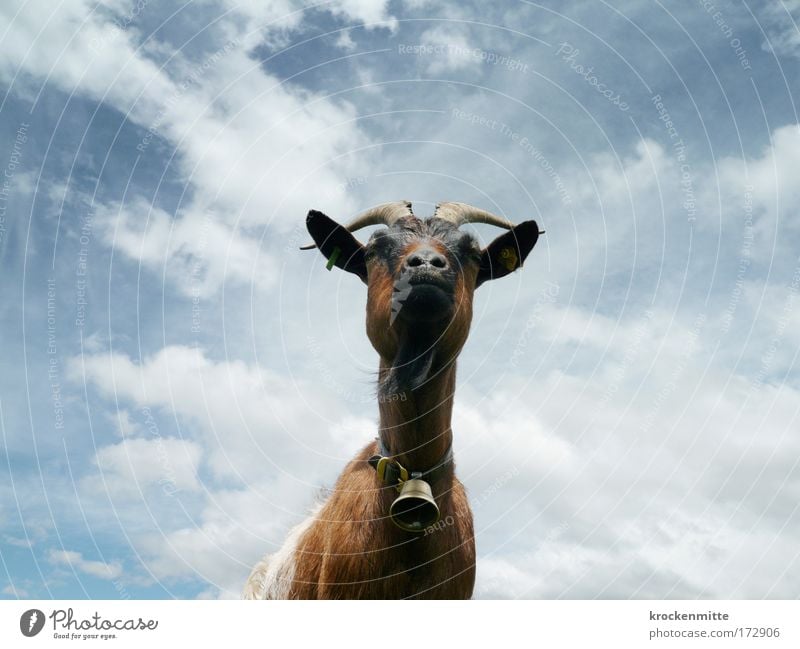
(438, 261)
(426, 257)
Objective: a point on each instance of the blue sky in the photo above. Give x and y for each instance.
(179, 383)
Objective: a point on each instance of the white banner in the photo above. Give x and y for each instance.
(495, 624)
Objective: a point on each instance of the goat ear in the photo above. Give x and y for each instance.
(337, 244)
(507, 252)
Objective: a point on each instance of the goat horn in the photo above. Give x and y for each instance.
(460, 213)
(385, 214)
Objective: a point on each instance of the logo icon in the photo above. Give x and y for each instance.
(31, 622)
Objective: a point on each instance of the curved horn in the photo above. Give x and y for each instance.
(385, 213)
(460, 213)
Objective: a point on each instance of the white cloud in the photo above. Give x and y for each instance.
(251, 419)
(365, 11)
(199, 252)
(772, 184)
(14, 591)
(253, 150)
(345, 40)
(124, 424)
(288, 14)
(450, 49)
(136, 464)
(277, 441)
(781, 21)
(75, 561)
(17, 542)
(642, 472)
(234, 529)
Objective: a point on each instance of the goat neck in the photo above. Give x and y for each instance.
(415, 425)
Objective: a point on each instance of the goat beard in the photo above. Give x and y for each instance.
(413, 365)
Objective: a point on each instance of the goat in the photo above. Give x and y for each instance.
(365, 542)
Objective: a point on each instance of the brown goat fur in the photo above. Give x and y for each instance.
(354, 551)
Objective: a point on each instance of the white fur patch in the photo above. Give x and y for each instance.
(272, 576)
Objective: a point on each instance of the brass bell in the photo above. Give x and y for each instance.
(414, 509)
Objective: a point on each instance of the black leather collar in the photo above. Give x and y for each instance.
(393, 470)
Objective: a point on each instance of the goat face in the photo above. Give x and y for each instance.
(420, 276)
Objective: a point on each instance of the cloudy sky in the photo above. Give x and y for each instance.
(179, 383)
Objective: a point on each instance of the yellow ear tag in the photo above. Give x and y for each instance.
(508, 258)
